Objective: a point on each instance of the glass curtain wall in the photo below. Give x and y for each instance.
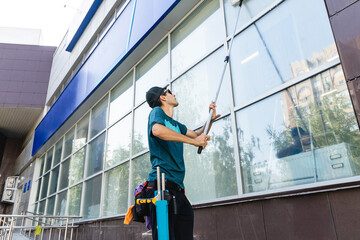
(287, 122)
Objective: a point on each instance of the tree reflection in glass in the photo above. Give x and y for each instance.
(116, 190)
(140, 168)
(76, 170)
(74, 200)
(212, 174)
(140, 141)
(118, 142)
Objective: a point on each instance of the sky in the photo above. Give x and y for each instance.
(48, 15)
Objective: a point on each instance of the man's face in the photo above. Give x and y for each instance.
(170, 98)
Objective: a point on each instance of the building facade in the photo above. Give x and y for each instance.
(284, 159)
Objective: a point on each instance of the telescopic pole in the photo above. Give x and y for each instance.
(226, 61)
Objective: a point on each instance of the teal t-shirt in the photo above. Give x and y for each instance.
(166, 154)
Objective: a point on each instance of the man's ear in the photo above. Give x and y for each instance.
(162, 98)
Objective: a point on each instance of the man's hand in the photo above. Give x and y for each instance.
(214, 116)
(201, 140)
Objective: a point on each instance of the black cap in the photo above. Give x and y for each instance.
(153, 96)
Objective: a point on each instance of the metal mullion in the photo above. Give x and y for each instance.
(95, 136)
(53, 155)
(143, 152)
(86, 162)
(132, 138)
(82, 198)
(90, 117)
(309, 188)
(49, 184)
(102, 195)
(237, 156)
(40, 173)
(121, 79)
(103, 218)
(121, 118)
(90, 177)
(48, 187)
(117, 165)
(40, 189)
(290, 83)
(232, 112)
(104, 157)
(57, 165)
(62, 149)
(74, 184)
(139, 105)
(55, 203)
(169, 56)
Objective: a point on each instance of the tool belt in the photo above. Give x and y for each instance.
(168, 185)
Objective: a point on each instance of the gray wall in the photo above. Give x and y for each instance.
(24, 75)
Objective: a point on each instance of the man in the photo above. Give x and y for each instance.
(166, 137)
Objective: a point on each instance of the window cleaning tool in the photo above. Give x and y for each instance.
(226, 61)
(162, 217)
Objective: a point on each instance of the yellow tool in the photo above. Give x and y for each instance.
(146, 200)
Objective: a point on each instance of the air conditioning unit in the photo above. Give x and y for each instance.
(10, 189)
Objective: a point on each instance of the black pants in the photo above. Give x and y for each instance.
(181, 225)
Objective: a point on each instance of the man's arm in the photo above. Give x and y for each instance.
(193, 134)
(167, 134)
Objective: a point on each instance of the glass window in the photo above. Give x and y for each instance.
(200, 33)
(54, 180)
(48, 160)
(121, 98)
(212, 174)
(69, 139)
(35, 208)
(119, 142)
(61, 204)
(96, 155)
(280, 46)
(116, 190)
(152, 71)
(44, 186)
(81, 133)
(248, 10)
(41, 210)
(74, 200)
(64, 176)
(197, 88)
(285, 144)
(98, 117)
(50, 206)
(140, 168)
(76, 170)
(58, 150)
(91, 208)
(38, 189)
(42, 162)
(140, 141)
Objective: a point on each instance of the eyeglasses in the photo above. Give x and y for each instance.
(167, 91)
